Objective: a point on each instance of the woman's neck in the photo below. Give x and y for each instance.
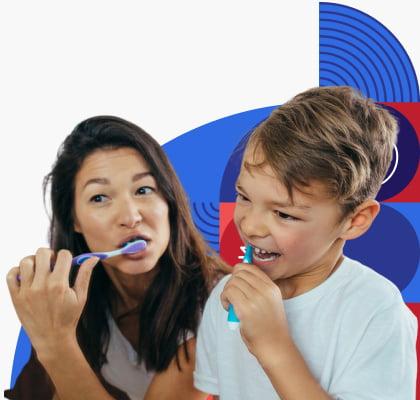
(128, 290)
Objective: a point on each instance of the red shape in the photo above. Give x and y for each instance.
(411, 193)
(415, 308)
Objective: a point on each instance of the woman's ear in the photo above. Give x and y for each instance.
(76, 226)
(361, 219)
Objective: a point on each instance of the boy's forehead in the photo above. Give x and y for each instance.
(274, 188)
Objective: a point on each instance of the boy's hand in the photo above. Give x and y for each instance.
(258, 304)
(48, 308)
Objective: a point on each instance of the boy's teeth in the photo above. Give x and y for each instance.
(264, 255)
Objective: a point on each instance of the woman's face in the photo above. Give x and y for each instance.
(118, 200)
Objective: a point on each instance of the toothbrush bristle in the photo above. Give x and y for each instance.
(134, 247)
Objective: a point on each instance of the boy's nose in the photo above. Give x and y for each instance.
(253, 225)
(129, 214)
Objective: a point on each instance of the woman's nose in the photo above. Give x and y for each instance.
(129, 214)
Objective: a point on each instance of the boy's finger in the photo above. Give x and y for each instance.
(233, 295)
(253, 269)
(81, 286)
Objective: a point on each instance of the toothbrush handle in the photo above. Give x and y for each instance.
(78, 260)
(232, 319)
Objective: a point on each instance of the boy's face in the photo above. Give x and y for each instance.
(301, 239)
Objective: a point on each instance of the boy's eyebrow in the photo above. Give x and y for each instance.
(281, 204)
(290, 205)
(105, 181)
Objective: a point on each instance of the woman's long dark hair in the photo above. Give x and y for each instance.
(174, 301)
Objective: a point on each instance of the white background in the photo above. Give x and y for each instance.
(168, 66)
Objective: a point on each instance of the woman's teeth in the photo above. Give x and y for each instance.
(264, 255)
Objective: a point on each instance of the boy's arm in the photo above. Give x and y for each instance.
(259, 306)
(289, 374)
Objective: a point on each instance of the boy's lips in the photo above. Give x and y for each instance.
(261, 255)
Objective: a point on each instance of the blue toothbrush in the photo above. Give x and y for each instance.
(232, 319)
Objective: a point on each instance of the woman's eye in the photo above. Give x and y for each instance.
(285, 216)
(98, 198)
(145, 190)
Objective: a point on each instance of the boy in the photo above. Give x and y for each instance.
(314, 323)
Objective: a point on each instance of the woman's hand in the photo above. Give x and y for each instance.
(258, 303)
(48, 308)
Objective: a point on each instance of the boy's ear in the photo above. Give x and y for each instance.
(361, 219)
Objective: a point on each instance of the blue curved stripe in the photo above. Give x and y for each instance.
(358, 50)
(327, 81)
(386, 36)
(206, 232)
(208, 214)
(213, 207)
(361, 81)
(370, 82)
(328, 65)
(382, 55)
(340, 78)
(349, 25)
(371, 51)
(202, 219)
(345, 81)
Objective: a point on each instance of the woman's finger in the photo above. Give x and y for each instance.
(27, 271)
(81, 286)
(62, 267)
(13, 282)
(43, 260)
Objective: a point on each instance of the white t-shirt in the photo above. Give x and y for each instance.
(122, 369)
(354, 331)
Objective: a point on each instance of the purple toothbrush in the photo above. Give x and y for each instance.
(129, 248)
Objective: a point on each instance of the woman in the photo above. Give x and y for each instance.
(126, 327)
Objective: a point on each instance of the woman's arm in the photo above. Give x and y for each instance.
(174, 384)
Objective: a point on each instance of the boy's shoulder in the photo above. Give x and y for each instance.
(364, 282)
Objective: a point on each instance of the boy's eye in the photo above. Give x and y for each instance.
(145, 190)
(241, 197)
(98, 198)
(285, 216)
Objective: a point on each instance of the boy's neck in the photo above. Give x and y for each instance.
(314, 276)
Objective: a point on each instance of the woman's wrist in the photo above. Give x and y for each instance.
(55, 349)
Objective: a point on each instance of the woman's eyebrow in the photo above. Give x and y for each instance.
(105, 181)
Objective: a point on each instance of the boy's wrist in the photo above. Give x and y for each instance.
(276, 354)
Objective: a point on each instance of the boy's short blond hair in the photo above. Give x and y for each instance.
(333, 135)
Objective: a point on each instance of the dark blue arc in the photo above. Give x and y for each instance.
(365, 26)
(206, 232)
(372, 50)
(202, 219)
(340, 67)
(358, 49)
(345, 82)
(328, 80)
(395, 47)
(213, 207)
(216, 218)
(347, 61)
(392, 77)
